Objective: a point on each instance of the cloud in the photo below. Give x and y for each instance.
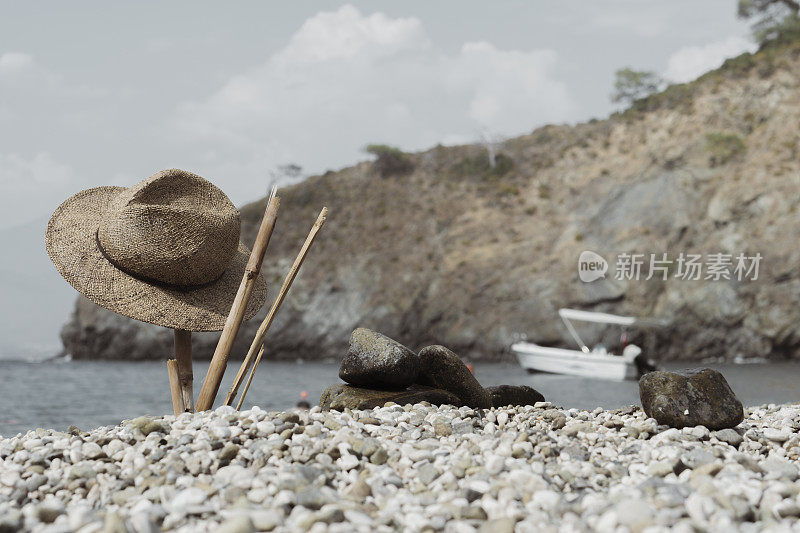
(14, 61)
(31, 182)
(347, 34)
(692, 61)
(346, 79)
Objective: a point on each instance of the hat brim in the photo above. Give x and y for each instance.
(71, 240)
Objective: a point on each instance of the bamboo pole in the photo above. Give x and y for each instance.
(262, 330)
(219, 361)
(183, 356)
(249, 378)
(175, 386)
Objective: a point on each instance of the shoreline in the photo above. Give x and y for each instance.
(409, 467)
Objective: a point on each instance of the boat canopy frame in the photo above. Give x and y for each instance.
(600, 318)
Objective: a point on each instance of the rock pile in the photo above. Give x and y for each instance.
(378, 369)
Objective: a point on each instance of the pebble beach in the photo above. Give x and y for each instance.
(413, 467)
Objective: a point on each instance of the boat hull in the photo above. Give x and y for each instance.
(535, 358)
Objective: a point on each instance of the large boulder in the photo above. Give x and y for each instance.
(690, 398)
(503, 395)
(376, 361)
(443, 369)
(341, 397)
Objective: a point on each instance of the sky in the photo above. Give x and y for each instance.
(99, 93)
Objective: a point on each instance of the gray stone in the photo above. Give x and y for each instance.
(498, 525)
(143, 523)
(312, 498)
(777, 435)
(775, 467)
(330, 515)
(697, 457)
(237, 524)
(557, 419)
(690, 398)
(574, 428)
(266, 519)
(114, 523)
(93, 451)
(729, 436)
(10, 521)
(635, 514)
(82, 471)
(379, 457)
(309, 473)
(473, 512)
(35, 481)
(441, 428)
(466, 426)
(495, 464)
(48, 513)
(359, 490)
(363, 447)
(147, 425)
(660, 468)
(575, 452)
(787, 509)
(228, 454)
(376, 361)
(443, 369)
(427, 473)
(290, 417)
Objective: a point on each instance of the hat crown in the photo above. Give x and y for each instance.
(174, 227)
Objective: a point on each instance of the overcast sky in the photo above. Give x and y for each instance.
(95, 93)
(100, 93)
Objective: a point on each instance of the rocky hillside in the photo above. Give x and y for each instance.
(443, 248)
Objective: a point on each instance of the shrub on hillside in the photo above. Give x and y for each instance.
(785, 31)
(774, 21)
(479, 166)
(722, 147)
(631, 85)
(389, 160)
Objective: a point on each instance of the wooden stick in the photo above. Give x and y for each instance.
(262, 330)
(175, 386)
(183, 355)
(250, 378)
(219, 361)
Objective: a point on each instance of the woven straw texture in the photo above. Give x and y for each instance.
(165, 251)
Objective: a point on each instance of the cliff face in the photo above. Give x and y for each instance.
(461, 254)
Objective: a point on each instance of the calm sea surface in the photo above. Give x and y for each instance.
(90, 394)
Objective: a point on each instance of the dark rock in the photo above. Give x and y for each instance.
(690, 398)
(442, 369)
(228, 454)
(503, 395)
(341, 397)
(375, 360)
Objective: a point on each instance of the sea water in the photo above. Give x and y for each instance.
(58, 394)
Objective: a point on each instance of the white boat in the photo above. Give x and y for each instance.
(593, 363)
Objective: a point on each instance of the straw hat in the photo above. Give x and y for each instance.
(165, 251)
